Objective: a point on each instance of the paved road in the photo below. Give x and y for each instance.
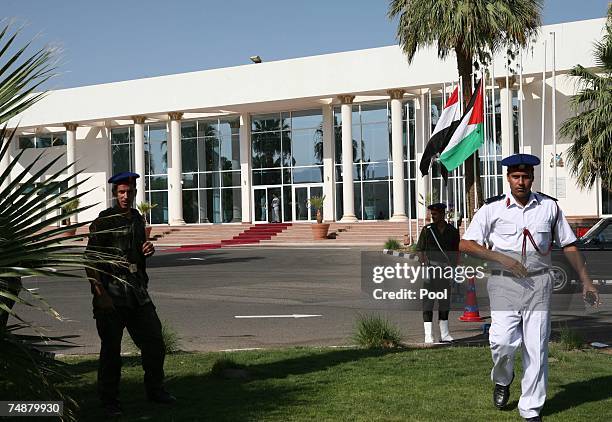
(201, 293)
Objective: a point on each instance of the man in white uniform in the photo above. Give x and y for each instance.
(514, 233)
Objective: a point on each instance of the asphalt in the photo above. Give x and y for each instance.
(239, 298)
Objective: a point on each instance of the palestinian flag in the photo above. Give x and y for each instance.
(468, 136)
(447, 123)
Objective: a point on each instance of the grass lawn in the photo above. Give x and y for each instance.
(309, 384)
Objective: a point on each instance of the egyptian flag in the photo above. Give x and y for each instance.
(446, 125)
(468, 136)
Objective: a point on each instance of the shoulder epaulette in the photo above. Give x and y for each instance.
(547, 196)
(495, 198)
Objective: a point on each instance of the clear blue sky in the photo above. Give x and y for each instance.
(112, 40)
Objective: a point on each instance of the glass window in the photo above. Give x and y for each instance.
(230, 152)
(26, 142)
(43, 141)
(606, 201)
(189, 130)
(373, 113)
(376, 202)
(58, 139)
(266, 150)
(232, 205)
(121, 158)
(308, 174)
(120, 135)
(157, 133)
(231, 178)
(307, 119)
(210, 180)
(267, 177)
(190, 206)
(266, 123)
(190, 180)
(307, 147)
(158, 182)
(376, 139)
(375, 171)
(189, 155)
(207, 128)
(159, 214)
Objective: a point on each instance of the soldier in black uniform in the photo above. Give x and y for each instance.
(437, 246)
(125, 303)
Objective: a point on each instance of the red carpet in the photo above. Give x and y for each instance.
(252, 235)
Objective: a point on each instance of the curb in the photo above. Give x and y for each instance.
(405, 255)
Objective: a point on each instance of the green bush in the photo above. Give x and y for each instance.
(570, 339)
(392, 244)
(374, 331)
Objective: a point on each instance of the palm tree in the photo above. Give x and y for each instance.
(590, 156)
(473, 30)
(27, 209)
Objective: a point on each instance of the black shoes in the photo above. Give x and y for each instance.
(501, 394)
(161, 396)
(534, 419)
(112, 410)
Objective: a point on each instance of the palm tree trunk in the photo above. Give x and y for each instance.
(472, 172)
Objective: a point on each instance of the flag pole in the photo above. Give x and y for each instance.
(554, 110)
(521, 98)
(493, 114)
(408, 169)
(543, 117)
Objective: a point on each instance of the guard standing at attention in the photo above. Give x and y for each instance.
(121, 299)
(437, 247)
(514, 232)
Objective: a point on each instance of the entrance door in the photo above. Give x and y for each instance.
(302, 211)
(260, 205)
(267, 204)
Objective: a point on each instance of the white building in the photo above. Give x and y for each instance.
(215, 146)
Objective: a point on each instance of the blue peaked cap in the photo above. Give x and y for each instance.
(437, 206)
(520, 160)
(123, 177)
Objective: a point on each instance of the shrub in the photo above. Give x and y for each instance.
(374, 331)
(570, 339)
(392, 244)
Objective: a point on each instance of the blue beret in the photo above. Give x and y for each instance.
(521, 160)
(125, 176)
(437, 206)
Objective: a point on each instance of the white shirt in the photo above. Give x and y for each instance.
(500, 225)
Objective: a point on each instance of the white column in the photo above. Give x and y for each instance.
(70, 159)
(139, 157)
(397, 152)
(421, 121)
(4, 164)
(348, 193)
(507, 129)
(245, 166)
(175, 191)
(329, 206)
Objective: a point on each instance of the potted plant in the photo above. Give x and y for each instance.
(319, 230)
(67, 209)
(145, 208)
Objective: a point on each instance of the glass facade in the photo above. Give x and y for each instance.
(286, 150)
(491, 174)
(156, 164)
(372, 165)
(211, 171)
(45, 140)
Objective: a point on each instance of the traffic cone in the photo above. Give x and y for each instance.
(470, 313)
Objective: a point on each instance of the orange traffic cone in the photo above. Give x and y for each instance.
(471, 314)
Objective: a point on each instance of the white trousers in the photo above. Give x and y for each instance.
(520, 315)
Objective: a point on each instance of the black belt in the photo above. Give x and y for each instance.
(511, 274)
